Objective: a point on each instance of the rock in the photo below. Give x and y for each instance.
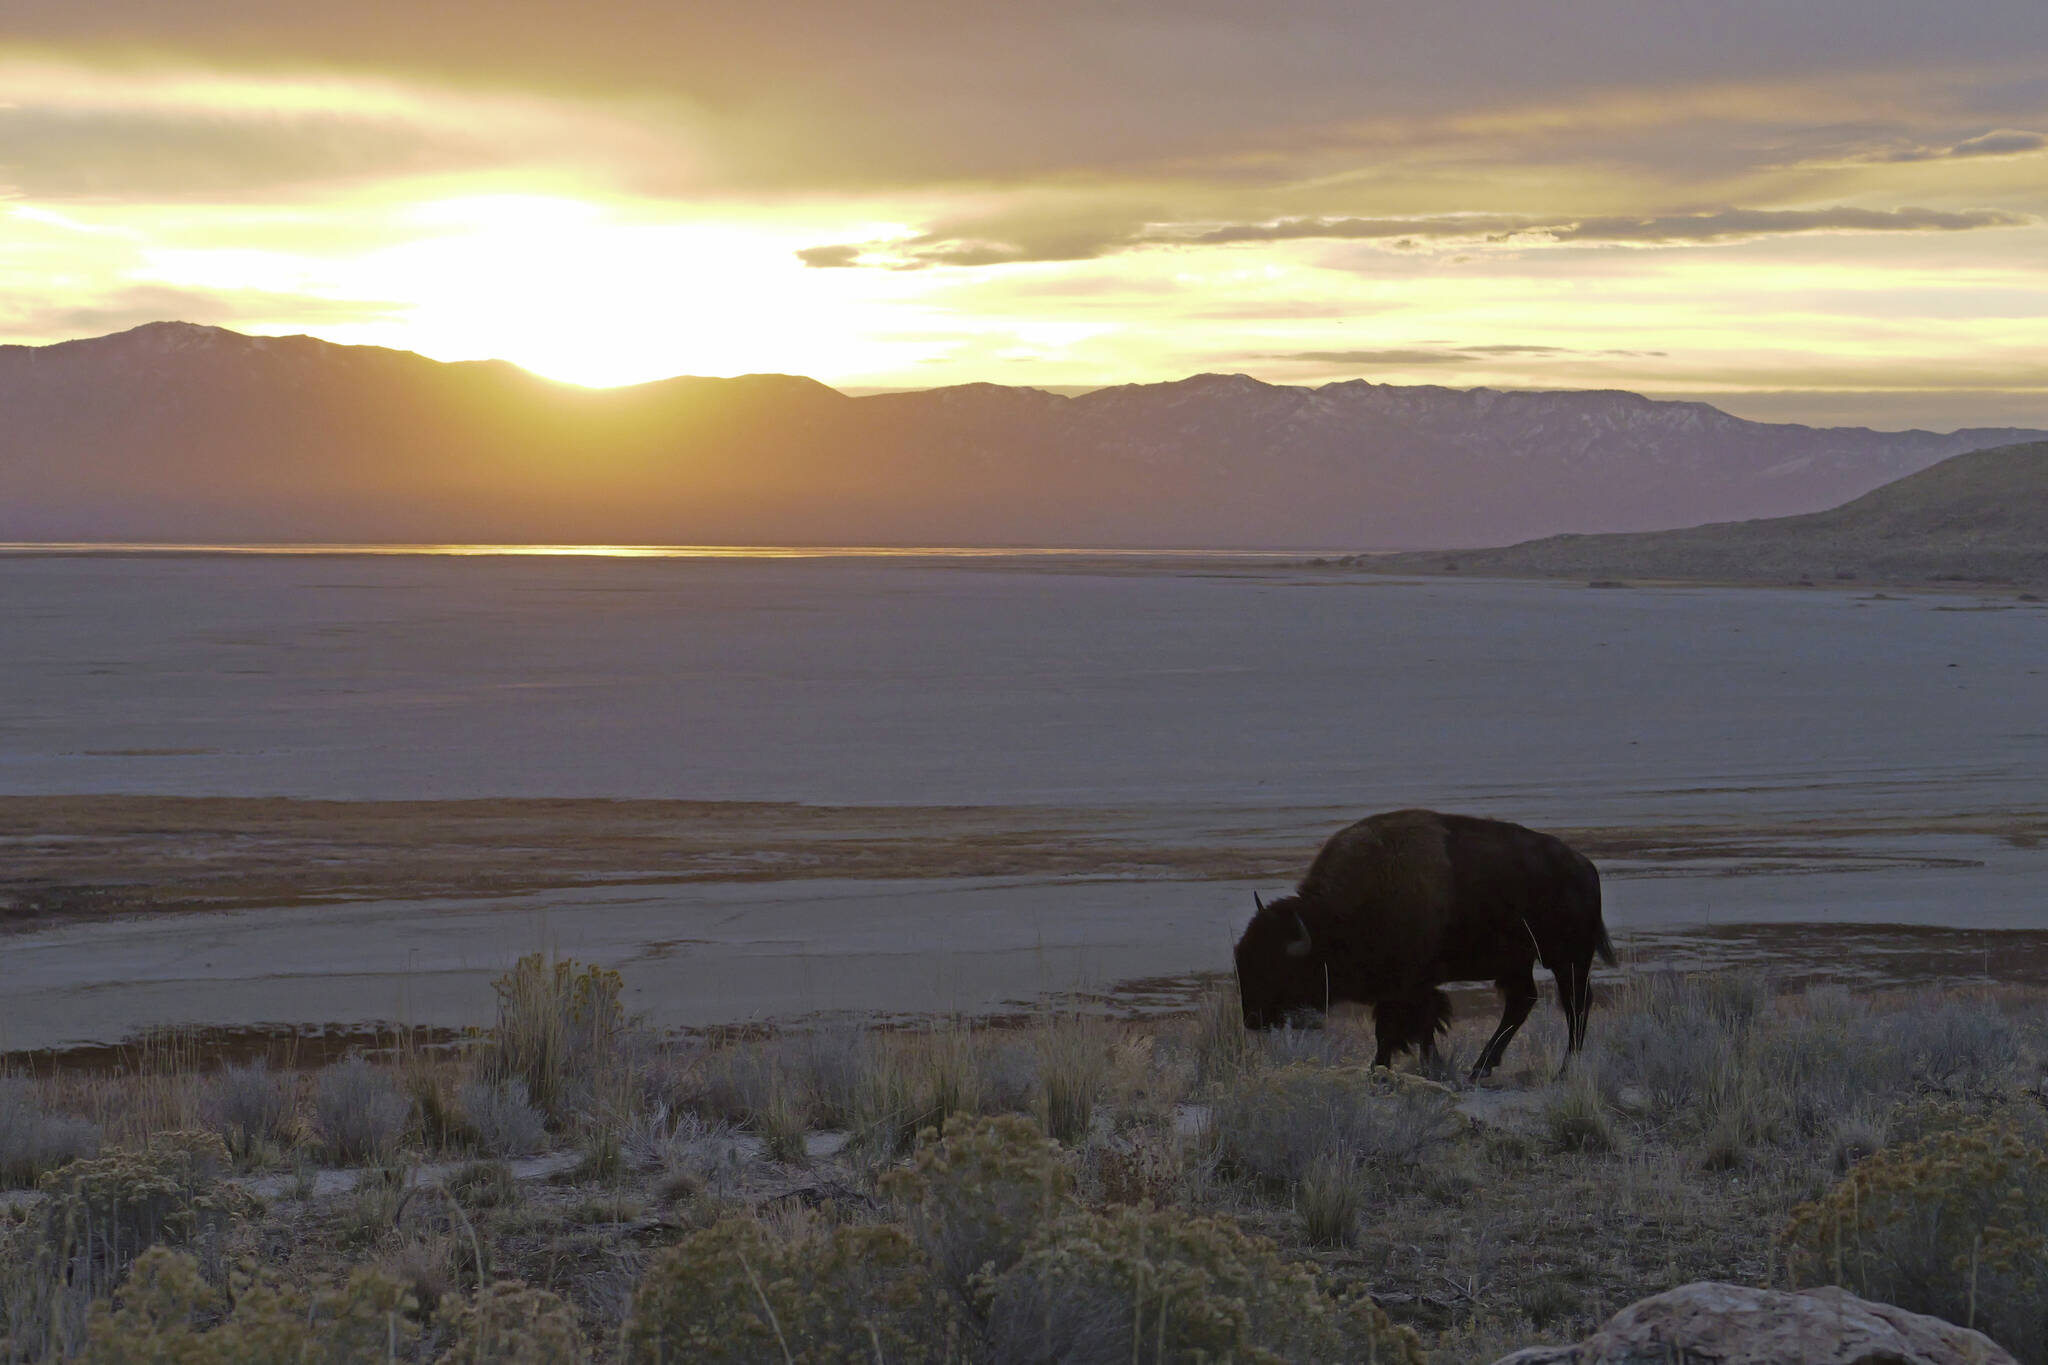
(1730, 1324)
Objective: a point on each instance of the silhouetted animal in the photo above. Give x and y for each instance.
(1399, 903)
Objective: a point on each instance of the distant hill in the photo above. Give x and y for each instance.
(1975, 518)
(179, 432)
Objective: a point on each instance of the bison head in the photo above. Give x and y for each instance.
(1281, 978)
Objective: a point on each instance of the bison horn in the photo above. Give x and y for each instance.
(1259, 903)
(1300, 946)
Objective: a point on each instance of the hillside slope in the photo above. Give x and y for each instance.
(1980, 517)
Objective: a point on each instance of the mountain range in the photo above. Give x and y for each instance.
(178, 432)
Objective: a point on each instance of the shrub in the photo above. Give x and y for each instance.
(160, 1321)
(514, 1324)
(1953, 1044)
(1712, 1056)
(1672, 1037)
(690, 1153)
(501, 1119)
(738, 1080)
(1007, 1067)
(561, 1029)
(974, 1198)
(249, 1107)
(98, 1215)
(754, 1085)
(1829, 1057)
(32, 1140)
(741, 1292)
(1141, 1165)
(359, 1111)
(1162, 1286)
(1273, 1127)
(1954, 1224)
(483, 1185)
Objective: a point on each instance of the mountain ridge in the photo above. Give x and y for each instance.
(185, 431)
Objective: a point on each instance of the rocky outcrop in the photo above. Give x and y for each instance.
(1731, 1324)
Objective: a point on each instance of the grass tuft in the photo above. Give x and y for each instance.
(1074, 1067)
(1330, 1198)
(1575, 1115)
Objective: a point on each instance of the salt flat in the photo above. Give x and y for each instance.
(1178, 705)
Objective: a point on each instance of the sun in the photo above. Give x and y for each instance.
(601, 294)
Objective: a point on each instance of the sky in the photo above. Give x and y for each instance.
(1807, 210)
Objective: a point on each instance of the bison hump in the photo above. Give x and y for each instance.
(1390, 877)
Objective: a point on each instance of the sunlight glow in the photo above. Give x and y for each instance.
(601, 240)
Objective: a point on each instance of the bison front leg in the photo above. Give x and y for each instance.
(1410, 1021)
(1518, 997)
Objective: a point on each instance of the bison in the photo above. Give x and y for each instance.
(1397, 904)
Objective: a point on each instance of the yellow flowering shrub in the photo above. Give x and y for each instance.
(741, 1292)
(1953, 1223)
(975, 1197)
(514, 1324)
(164, 1312)
(98, 1215)
(1170, 1287)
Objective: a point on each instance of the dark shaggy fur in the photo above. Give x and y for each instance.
(1397, 904)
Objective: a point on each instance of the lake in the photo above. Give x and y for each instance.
(1840, 756)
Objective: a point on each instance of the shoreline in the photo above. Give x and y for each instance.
(307, 919)
(74, 859)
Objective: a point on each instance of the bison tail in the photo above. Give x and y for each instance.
(1605, 948)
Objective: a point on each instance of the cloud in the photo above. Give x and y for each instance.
(1998, 142)
(834, 257)
(1725, 225)
(1390, 358)
(118, 310)
(920, 91)
(171, 154)
(1087, 242)
(1058, 225)
(1449, 355)
(1737, 224)
(152, 133)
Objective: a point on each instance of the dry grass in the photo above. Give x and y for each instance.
(1074, 1070)
(33, 1140)
(1705, 1111)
